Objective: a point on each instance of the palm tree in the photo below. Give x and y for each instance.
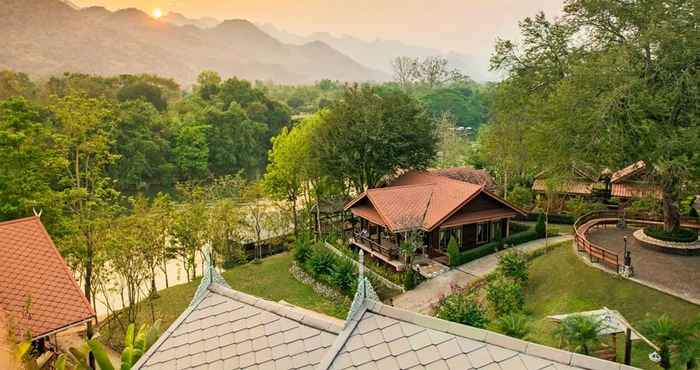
(581, 333)
(665, 333)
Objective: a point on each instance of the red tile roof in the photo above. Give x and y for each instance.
(368, 213)
(467, 174)
(628, 171)
(37, 289)
(632, 190)
(421, 200)
(477, 216)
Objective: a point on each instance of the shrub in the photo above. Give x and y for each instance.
(343, 276)
(505, 296)
(453, 252)
(486, 249)
(409, 279)
(693, 213)
(644, 205)
(580, 333)
(540, 227)
(514, 324)
(579, 206)
(321, 262)
(680, 235)
(514, 265)
(462, 309)
(521, 196)
(302, 251)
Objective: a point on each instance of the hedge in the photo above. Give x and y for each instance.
(680, 235)
(486, 249)
(554, 218)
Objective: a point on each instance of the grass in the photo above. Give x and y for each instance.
(556, 228)
(268, 279)
(561, 283)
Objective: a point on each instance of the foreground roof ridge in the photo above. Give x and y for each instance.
(277, 308)
(489, 337)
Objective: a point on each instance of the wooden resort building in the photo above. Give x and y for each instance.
(432, 207)
(631, 182)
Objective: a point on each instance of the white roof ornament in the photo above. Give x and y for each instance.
(364, 292)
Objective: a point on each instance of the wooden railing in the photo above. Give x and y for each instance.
(595, 252)
(389, 251)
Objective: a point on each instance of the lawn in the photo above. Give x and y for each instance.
(561, 283)
(557, 228)
(269, 279)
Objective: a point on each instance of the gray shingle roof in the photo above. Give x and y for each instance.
(226, 329)
(387, 338)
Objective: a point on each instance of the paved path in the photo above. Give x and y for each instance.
(423, 298)
(670, 273)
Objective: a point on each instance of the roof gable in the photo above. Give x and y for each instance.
(390, 338)
(37, 289)
(628, 172)
(421, 200)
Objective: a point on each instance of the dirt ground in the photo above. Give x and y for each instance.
(669, 271)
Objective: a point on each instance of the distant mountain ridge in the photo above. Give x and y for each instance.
(50, 37)
(379, 53)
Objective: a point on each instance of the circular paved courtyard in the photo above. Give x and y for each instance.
(675, 272)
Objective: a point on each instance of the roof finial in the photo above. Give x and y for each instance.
(362, 264)
(364, 291)
(209, 275)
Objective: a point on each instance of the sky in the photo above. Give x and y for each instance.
(467, 26)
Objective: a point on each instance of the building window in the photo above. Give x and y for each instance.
(446, 235)
(496, 230)
(482, 233)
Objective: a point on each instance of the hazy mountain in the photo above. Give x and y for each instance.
(379, 53)
(50, 37)
(180, 20)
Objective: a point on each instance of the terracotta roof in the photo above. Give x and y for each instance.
(421, 199)
(628, 171)
(635, 190)
(36, 287)
(368, 213)
(468, 174)
(463, 218)
(568, 187)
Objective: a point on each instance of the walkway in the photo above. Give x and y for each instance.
(674, 274)
(424, 297)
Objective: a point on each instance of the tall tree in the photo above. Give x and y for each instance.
(370, 133)
(83, 136)
(30, 163)
(611, 83)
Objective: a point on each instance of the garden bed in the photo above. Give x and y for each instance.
(677, 236)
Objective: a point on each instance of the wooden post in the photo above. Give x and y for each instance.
(507, 227)
(628, 346)
(614, 344)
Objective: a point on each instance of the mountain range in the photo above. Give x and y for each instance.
(379, 53)
(49, 37)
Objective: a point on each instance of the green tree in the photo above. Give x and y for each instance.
(141, 139)
(191, 151)
(370, 133)
(626, 88)
(580, 333)
(83, 138)
(453, 145)
(141, 90)
(30, 163)
(453, 252)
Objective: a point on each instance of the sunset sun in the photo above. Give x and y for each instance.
(157, 13)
